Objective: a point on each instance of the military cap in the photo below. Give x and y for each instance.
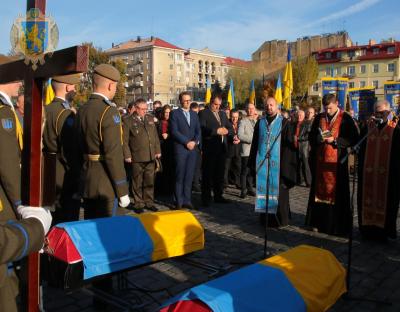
(7, 59)
(68, 79)
(107, 71)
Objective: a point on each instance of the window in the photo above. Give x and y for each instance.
(328, 55)
(338, 71)
(179, 67)
(170, 90)
(187, 74)
(328, 70)
(171, 66)
(362, 84)
(147, 78)
(187, 66)
(375, 51)
(352, 53)
(148, 66)
(315, 87)
(178, 80)
(363, 69)
(171, 78)
(375, 69)
(339, 54)
(363, 52)
(351, 84)
(179, 57)
(375, 83)
(390, 50)
(148, 54)
(351, 70)
(390, 67)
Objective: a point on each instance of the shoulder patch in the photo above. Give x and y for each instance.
(7, 124)
(117, 118)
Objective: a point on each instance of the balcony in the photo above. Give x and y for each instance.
(200, 69)
(138, 73)
(138, 84)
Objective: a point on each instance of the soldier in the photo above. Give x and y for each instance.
(100, 137)
(17, 239)
(59, 148)
(141, 148)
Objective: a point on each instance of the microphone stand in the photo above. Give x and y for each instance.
(268, 159)
(355, 150)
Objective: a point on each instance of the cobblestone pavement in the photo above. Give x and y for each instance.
(234, 237)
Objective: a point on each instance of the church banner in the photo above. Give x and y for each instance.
(338, 86)
(392, 94)
(362, 102)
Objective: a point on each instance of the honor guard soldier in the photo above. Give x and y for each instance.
(60, 148)
(17, 238)
(100, 137)
(142, 148)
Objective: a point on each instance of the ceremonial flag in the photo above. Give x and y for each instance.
(208, 92)
(278, 91)
(231, 96)
(288, 83)
(49, 95)
(252, 97)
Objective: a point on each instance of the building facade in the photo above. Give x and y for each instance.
(271, 56)
(159, 70)
(365, 65)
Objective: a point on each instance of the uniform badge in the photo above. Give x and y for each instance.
(117, 119)
(7, 124)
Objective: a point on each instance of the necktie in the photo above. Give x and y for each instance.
(187, 114)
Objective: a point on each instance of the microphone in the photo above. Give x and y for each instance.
(378, 121)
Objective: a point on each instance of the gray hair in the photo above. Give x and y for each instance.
(383, 102)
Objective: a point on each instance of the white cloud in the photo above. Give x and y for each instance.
(353, 9)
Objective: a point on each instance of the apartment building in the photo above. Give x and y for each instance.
(365, 65)
(159, 70)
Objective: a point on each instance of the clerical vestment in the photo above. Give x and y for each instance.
(269, 143)
(327, 159)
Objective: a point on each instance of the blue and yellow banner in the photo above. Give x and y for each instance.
(278, 91)
(252, 97)
(392, 94)
(208, 92)
(231, 96)
(362, 101)
(288, 82)
(338, 86)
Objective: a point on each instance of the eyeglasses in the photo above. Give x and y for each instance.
(185, 101)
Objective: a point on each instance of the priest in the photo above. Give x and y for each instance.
(273, 139)
(378, 172)
(332, 132)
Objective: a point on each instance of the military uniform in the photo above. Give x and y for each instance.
(103, 174)
(59, 149)
(17, 239)
(141, 144)
(10, 160)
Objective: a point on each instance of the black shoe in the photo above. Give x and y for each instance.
(221, 200)
(138, 209)
(188, 206)
(177, 207)
(243, 195)
(152, 208)
(251, 193)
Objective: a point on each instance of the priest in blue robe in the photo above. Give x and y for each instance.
(273, 137)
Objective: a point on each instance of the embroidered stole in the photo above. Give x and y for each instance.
(327, 162)
(269, 142)
(376, 175)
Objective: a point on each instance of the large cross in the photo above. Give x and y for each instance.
(67, 61)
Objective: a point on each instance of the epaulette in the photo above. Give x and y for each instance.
(66, 105)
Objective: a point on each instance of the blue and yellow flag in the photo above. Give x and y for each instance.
(252, 97)
(231, 96)
(278, 91)
(49, 94)
(208, 92)
(288, 83)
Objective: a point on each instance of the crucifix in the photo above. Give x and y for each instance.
(62, 62)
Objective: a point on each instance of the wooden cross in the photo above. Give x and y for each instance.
(67, 61)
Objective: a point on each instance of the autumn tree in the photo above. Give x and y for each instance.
(241, 80)
(305, 73)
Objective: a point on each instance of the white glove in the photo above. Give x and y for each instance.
(124, 201)
(42, 214)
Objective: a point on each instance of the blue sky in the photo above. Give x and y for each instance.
(233, 27)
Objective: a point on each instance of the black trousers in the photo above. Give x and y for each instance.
(213, 174)
(232, 170)
(246, 178)
(197, 170)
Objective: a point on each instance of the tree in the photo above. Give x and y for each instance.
(241, 80)
(305, 73)
(120, 95)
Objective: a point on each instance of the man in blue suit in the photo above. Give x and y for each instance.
(186, 135)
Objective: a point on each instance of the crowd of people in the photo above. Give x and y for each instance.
(104, 162)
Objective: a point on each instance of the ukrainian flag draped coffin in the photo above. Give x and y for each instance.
(78, 251)
(304, 278)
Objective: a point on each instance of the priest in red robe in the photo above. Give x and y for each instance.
(332, 132)
(378, 172)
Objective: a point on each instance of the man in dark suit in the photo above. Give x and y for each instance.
(186, 135)
(215, 129)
